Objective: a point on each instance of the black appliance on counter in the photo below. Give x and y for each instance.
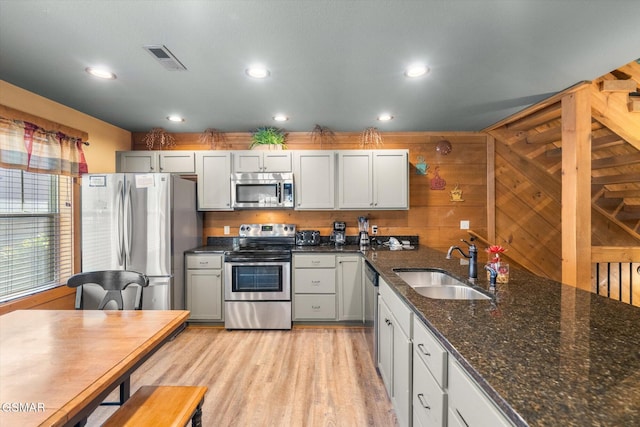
(257, 278)
(307, 238)
(339, 233)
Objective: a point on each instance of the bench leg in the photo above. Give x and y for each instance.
(196, 420)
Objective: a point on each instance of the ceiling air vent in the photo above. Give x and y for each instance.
(164, 56)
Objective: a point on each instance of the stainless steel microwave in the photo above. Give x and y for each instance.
(262, 190)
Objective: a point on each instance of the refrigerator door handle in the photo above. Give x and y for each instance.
(128, 223)
(120, 214)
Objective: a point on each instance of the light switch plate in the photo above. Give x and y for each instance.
(227, 229)
(464, 224)
(374, 230)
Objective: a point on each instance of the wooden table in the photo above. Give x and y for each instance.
(61, 364)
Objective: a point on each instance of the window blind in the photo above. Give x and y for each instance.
(36, 232)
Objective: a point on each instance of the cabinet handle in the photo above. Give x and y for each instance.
(422, 350)
(422, 401)
(315, 282)
(217, 275)
(315, 307)
(387, 321)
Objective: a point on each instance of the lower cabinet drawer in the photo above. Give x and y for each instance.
(314, 307)
(429, 401)
(468, 405)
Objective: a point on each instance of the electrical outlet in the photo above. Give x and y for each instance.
(227, 229)
(374, 230)
(464, 224)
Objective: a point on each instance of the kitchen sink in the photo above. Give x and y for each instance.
(450, 292)
(427, 278)
(438, 285)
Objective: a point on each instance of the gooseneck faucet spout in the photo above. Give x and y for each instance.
(473, 257)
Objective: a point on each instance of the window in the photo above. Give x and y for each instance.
(36, 232)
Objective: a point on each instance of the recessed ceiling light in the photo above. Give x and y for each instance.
(101, 73)
(257, 72)
(385, 117)
(416, 70)
(174, 118)
(280, 118)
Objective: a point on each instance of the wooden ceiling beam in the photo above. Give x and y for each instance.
(606, 141)
(616, 179)
(609, 162)
(551, 112)
(546, 137)
(621, 194)
(626, 86)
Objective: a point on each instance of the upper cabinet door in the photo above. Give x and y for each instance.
(390, 179)
(214, 180)
(277, 161)
(261, 161)
(355, 179)
(176, 161)
(314, 173)
(136, 161)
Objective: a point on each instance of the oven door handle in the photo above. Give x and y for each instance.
(252, 259)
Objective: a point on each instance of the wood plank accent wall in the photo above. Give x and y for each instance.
(432, 215)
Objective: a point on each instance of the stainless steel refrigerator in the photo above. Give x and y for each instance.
(140, 222)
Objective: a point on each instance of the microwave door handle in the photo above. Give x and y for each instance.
(279, 193)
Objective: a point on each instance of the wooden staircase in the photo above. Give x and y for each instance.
(528, 173)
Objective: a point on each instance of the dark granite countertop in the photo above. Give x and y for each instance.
(548, 354)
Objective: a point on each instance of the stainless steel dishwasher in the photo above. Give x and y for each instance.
(371, 310)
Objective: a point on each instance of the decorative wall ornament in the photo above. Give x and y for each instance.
(212, 137)
(322, 135)
(370, 138)
(443, 147)
(456, 194)
(437, 182)
(158, 139)
(421, 167)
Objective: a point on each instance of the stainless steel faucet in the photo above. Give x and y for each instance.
(473, 256)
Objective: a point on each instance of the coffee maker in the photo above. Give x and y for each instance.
(338, 235)
(363, 236)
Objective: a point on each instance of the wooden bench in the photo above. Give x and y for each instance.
(161, 406)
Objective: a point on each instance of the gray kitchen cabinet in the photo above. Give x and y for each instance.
(429, 378)
(355, 179)
(314, 172)
(314, 287)
(394, 351)
(350, 287)
(373, 179)
(391, 179)
(261, 161)
(203, 287)
(214, 180)
(468, 405)
(175, 161)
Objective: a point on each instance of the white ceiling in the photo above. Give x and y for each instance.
(337, 63)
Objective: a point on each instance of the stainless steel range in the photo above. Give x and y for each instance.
(257, 279)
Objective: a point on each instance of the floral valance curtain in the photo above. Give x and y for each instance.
(26, 146)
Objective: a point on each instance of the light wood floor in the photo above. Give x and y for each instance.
(309, 376)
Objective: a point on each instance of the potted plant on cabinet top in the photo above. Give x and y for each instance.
(268, 138)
